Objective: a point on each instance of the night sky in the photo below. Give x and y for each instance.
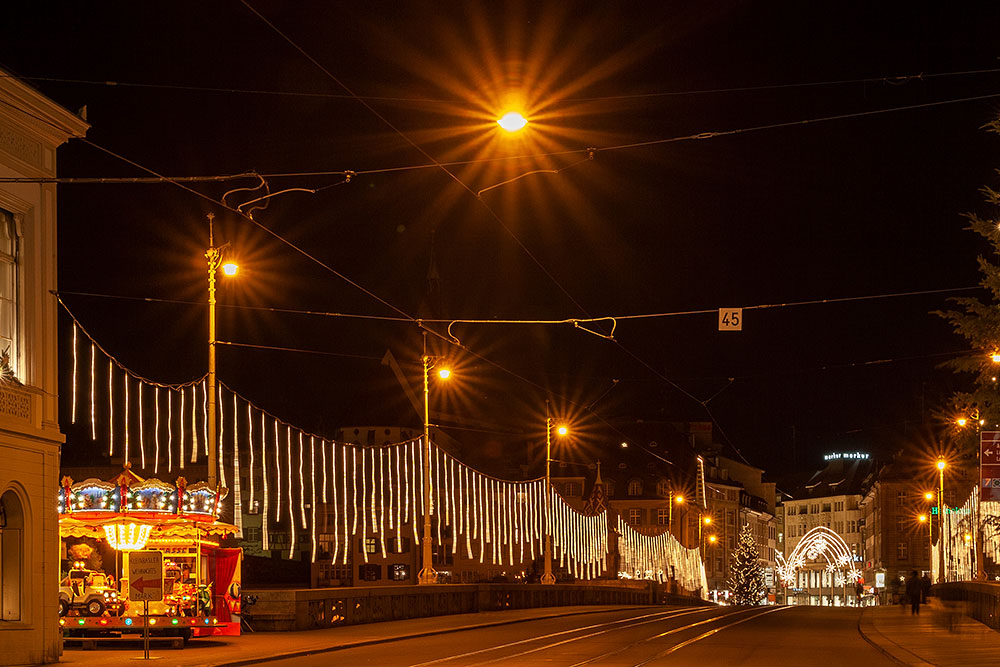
(705, 190)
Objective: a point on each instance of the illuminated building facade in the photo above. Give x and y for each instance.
(31, 128)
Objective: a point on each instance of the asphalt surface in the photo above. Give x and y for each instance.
(605, 636)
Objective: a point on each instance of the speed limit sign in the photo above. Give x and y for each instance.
(730, 319)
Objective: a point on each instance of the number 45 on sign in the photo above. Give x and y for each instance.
(730, 319)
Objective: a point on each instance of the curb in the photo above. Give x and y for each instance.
(869, 624)
(412, 635)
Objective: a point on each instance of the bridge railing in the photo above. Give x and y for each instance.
(981, 599)
(316, 608)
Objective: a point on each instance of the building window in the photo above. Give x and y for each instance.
(12, 541)
(369, 572)
(826, 507)
(609, 488)
(570, 490)
(730, 518)
(252, 534)
(9, 315)
(635, 487)
(635, 516)
(662, 516)
(399, 572)
(369, 545)
(398, 545)
(901, 497)
(852, 526)
(902, 551)
(838, 506)
(663, 488)
(901, 524)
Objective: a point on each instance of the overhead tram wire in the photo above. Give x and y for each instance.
(434, 164)
(493, 213)
(888, 80)
(417, 147)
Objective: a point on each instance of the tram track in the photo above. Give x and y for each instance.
(501, 653)
(589, 631)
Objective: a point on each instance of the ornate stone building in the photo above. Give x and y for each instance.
(31, 128)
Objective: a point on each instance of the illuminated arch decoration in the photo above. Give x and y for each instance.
(819, 542)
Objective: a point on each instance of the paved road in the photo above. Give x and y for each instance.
(703, 637)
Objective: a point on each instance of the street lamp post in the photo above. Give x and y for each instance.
(679, 499)
(214, 256)
(941, 538)
(428, 575)
(547, 576)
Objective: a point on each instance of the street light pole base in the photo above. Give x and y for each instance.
(548, 578)
(428, 575)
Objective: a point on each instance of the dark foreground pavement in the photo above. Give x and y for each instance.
(926, 639)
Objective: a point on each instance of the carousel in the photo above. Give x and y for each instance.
(102, 521)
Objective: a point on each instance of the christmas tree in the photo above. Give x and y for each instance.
(746, 575)
(978, 320)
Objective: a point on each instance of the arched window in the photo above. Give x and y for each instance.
(663, 488)
(635, 487)
(12, 540)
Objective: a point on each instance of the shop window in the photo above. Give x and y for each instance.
(12, 541)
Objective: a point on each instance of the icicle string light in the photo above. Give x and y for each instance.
(181, 417)
(73, 412)
(504, 522)
(302, 483)
(156, 430)
(250, 473)
(277, 467)
(204, 413)
(266, 535)
(194, 423)
(322, 462)
(142, 443)
(288, 471)
(220, 458)
(111, 408)
(170, 431)
(312, 475)
(237, 496)
(125, 385)
(93, 391)
(364, 506)
(343, 469)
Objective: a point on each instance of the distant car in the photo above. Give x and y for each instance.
(89, 592)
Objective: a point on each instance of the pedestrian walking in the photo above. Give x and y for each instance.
(914, 591)
(925, 587)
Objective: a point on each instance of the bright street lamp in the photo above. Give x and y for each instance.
(547, 576)
(923, 518)
(512, 121)
(214, 256)
(941, 465)
(679, 499)
(428, 575)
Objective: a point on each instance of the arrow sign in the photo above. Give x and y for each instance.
(145, 576)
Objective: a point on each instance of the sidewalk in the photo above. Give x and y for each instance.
(254, 647)
(926, 639)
